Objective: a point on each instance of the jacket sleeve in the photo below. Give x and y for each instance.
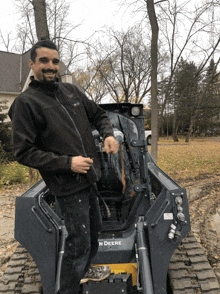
(25, 141)
(98, 117)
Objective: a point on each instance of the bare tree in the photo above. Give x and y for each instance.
(6, 40)
(123, 64)
(92, 83)
(26, 32)
(40, 19)
(46, 19)
(154, 64)
(184, 32)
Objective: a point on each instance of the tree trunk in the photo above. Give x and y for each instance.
(154, 62)
(190, 129)
(41, 19)
(175, 137)
(175, 128)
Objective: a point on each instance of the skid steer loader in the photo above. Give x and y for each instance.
(146, 218)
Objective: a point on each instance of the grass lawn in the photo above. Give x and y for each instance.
(180, 160)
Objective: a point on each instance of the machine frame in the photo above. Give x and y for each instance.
(149, 216)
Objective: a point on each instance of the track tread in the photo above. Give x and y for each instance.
(189, 272)
(21, 275)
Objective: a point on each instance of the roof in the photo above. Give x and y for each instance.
(14, 71)
(10, 72)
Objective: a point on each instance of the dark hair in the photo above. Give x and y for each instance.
(45, 43)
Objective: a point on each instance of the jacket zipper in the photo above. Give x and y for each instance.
(84, 151)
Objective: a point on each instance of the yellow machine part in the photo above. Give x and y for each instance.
(129, 268)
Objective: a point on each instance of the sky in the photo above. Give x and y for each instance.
(8, 18)
(92, 15)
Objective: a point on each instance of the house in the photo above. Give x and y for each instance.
(15, 76)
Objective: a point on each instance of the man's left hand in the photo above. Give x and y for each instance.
(111, 145)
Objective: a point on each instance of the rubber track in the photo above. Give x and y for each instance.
(21, 275)
(189, 272)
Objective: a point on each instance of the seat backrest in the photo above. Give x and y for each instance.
(118, 176)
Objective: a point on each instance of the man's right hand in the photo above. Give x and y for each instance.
(81, 164)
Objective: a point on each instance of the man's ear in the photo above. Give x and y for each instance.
(31, 63)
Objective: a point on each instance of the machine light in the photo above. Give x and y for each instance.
(179, 200)
(135, 111)
(181, 216)
(180, 209)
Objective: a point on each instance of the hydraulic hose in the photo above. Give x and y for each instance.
(143, 257)
(60, 257)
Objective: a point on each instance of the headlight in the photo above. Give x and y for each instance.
(179, 200)
(181, 216)
(135, 111)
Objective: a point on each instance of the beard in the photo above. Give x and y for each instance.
(51, 79)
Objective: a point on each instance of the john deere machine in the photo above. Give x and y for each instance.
(144, 212)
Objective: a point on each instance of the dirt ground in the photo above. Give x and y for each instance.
(204, 206)
(7, 216)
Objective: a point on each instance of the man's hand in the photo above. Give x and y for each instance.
(81, 164)
(111, 145)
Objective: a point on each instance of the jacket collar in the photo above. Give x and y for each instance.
(47, 87)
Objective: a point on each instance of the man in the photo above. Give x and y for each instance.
(52, 133)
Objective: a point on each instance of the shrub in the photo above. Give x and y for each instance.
(5, 138)
(15, 173)
(3, 157)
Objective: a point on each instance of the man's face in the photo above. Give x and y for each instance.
(46, 66)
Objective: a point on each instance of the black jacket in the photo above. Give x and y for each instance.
(51, 124)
